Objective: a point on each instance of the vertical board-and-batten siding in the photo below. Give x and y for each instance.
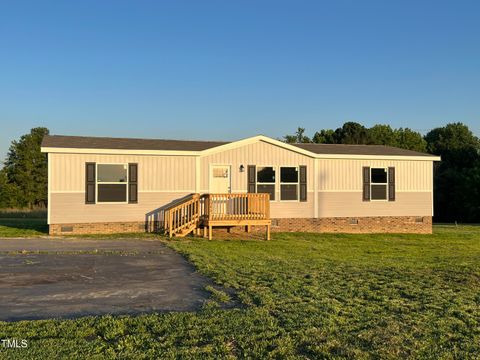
(263, 154)
(339, 184)
(259, 154)
(333, 185)
(155, 173)
(161, 179)
(346, 174)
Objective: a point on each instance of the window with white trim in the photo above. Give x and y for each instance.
(266, 180)
(112, 183)
(378, 184)
(289, 183)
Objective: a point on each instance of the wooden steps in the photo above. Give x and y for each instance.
(209, 210)
(185, 231)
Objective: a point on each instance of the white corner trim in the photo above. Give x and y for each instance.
(315, 188)
(49, 188)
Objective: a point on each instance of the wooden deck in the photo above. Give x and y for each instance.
(207, 211)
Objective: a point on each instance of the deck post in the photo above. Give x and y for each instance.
(209, 232)
(268, 232)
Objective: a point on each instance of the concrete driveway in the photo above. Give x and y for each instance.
(67, 278)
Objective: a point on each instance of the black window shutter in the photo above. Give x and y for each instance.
(391, 184)
(366, 183)
(303, 183)
(252, 178)
(132, 183)
(90, 183)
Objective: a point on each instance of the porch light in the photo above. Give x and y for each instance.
(242, 168)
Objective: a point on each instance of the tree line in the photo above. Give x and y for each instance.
(355, 133)
(456, 177)
(23, 178)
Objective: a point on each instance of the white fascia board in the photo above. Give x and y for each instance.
(378, 157)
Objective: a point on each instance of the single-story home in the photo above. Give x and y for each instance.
(109, 185)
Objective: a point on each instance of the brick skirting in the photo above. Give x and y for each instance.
(380, 224)
(96, 228)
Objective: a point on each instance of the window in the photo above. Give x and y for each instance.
(288, 183)
(112, 182)
(266, 181)
(220, 172)
(378, 184)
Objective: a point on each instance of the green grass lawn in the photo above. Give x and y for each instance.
(23, 223)
(303, 296)
(23, 227)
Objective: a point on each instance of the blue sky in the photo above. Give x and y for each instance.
(231, 69)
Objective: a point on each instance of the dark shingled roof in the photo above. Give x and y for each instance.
(344, 149)
(87, 142)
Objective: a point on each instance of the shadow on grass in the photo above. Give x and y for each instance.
(23, 226)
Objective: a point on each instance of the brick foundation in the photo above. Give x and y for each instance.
(96, 228)
(381, 224)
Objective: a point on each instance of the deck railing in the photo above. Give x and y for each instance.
(194, 209)
(245, 206)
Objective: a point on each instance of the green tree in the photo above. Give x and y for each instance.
(406, 138)
(457, 186)
(26, 169)
(10, 194)
(324, 137)
(381, 135)
(351, 133)
(298, 137)
(455, 143)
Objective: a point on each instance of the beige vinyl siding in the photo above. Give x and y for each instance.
(156, 173)
(350, 204)
(335, 190)
(293, 209)
(71, 208)
(346, 175)
(260, 154)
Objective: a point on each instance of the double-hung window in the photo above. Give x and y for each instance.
(378, 184)
(266, 180)
(112, 183)
(289, 183)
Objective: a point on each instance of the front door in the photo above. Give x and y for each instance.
(220, 180)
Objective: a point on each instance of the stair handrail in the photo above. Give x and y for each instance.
(182, 214)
